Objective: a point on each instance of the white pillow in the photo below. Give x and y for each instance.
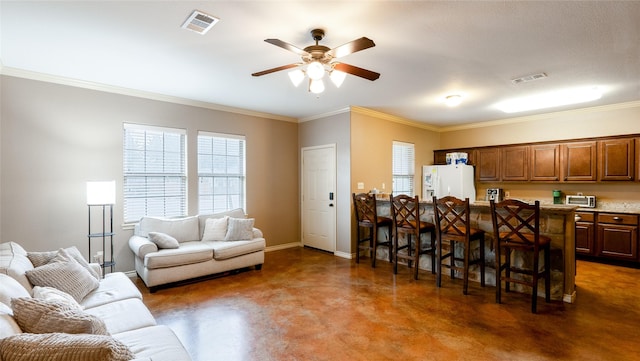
(54, 294)
(239, 229)
(163, 240)
(215, 229)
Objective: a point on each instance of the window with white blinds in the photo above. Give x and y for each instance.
(155, 176)
(221, 172)
(403, 168)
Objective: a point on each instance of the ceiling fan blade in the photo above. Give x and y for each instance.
(354, 70)
(287, 46)
(352, 47)
(273, 70)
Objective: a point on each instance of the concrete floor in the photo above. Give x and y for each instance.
(310, 305)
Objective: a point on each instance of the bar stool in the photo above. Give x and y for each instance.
(405, 212)
(367, 218)
(453, 225)
(516, 226)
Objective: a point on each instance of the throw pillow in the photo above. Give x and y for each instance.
(54, 294)
(239, 229)
(63, 347)
(215, 229)
(65, 274)
(35, 315)
(163, 240)
(10, 288)
(41, 258)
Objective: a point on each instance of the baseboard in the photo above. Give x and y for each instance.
(283, 246)
(131, 274)
(569, 298)
(343, 254)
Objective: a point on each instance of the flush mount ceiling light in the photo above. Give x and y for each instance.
(453, 100)
(319, 59)
(550, 99)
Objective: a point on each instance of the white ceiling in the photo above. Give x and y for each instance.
(424, 51)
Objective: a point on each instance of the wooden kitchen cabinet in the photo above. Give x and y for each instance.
(488, 164)
(579, 161)
(515, 163)
(585, 233)
(617, 236)
(545, 162)
(616, 159)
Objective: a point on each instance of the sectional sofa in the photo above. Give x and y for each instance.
(60, 308)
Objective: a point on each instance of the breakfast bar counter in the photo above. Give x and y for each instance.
(557, 221)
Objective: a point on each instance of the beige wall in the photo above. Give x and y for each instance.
(335, 130)
(611, 120)
(55, 138)
(371, 150)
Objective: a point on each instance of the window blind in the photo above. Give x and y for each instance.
(403, 168)
(155, 178)
(221, 172)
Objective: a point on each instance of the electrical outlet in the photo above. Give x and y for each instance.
(360, 185)
(507, 194)
(383, 186)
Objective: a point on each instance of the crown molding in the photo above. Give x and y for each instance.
(324, 115)
(393, 118)
(26, 74)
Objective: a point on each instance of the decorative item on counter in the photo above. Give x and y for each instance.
(557, 196)
(373, 191)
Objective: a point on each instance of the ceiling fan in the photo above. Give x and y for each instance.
(320, 59)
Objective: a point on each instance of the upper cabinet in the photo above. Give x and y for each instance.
(616, 159)
(487, 164)
(579, 161)
(545, 162)
(515, 163)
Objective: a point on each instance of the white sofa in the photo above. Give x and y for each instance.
(197, 252)
(116, 301)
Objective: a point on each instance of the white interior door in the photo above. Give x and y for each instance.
(318, 197)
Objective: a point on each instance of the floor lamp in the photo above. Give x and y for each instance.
(102, 195)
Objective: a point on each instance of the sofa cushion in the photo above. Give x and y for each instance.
(63, 347)
(225, 250)
(158, 343)
(8, 325)
(42, 258)
(124, 315)
(113, 287)
(10, 288)
(66, 274)
(239, 229)
(41, 316)
(215, 229)
(188, 253)
(54, 294)
(163, 240)
(234, 213)
(14, 263)
(182, 229)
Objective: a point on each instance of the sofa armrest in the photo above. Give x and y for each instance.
(141, 246)
(96, 267)
(257, 233)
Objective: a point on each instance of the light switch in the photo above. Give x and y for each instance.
(360, 185)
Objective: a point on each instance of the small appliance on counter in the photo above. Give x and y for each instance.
(495, 194)
(582, 201)
(557, 196)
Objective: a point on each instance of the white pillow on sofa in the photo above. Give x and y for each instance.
(215, 229)
(163, 240)
(239, 229)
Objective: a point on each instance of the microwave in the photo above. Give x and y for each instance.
(582, 201)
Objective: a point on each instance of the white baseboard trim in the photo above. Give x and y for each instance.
(131, 274)
(569, 298)
(343, 254)
(283, 246)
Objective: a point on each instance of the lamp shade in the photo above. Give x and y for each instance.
(315, 71)
(103, 192)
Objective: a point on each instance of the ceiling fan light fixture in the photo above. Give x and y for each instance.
(296, 76)
(315, 70)
(337, 77)
(316, 86)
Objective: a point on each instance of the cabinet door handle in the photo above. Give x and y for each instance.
(617, 218)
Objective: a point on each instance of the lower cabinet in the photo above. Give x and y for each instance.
(612, 236)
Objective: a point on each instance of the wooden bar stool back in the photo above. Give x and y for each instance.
(516, 227)
(453, 226)
(368, 223)
(405, 212)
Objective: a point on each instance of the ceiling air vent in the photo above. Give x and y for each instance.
(200, 22)
(529, 78)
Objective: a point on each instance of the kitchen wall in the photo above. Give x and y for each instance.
(617, 119)
(55, 138)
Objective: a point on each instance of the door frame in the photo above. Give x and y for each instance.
(332, 146)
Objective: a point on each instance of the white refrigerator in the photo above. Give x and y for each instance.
(448, 180)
